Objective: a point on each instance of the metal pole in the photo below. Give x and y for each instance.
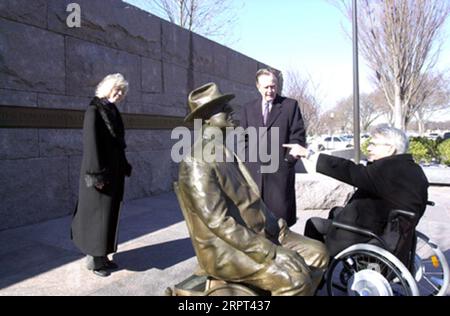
(356, 132)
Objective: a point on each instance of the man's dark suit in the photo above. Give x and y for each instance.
(277, 189)
(394, 182)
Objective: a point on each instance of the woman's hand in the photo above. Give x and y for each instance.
(99, 185)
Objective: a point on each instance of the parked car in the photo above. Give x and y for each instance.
(332, 142)
(433, 136)
(363, 137)
(348, 138)
(446, 136)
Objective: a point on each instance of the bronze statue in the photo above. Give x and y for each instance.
(235, 237)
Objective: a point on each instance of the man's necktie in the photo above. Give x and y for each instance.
(266, 113)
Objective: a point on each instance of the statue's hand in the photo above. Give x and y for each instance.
(288, 258)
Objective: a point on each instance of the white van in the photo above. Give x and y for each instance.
(332, 142)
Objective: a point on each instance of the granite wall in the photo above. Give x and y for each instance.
(46, 64)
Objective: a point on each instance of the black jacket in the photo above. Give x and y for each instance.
(394, 182)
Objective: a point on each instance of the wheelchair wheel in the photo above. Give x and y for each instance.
(368, 270)
(431, 270)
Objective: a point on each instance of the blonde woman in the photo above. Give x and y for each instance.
(103, 170)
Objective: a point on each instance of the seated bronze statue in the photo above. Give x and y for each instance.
(235, 237)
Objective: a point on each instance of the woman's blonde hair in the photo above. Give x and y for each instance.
(110, 82)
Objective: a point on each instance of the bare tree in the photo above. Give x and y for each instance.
(341, 116)
(372, 106)
(434, 95)
(439, 125)
(400, 40)
(211, 18)
(305, 92)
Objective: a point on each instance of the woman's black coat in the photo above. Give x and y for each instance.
(95, 221)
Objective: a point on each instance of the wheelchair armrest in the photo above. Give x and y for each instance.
(360, 231)
(402, 213)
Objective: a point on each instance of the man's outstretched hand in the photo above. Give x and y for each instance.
(297, 150)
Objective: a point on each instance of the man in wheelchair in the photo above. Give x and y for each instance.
(391, 181)
(235, 237)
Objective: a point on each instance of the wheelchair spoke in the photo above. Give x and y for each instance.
(428, 262)
(431, 268)
(431, 283)
(434, 273)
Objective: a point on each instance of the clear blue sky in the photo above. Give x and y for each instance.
(306, 36)
(300, 35)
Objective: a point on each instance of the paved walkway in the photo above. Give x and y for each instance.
(154, 251)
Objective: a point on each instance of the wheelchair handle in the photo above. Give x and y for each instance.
(431, 203)
(360, 231)
(402, 212)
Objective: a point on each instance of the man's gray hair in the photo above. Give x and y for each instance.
(393, 136)
(266, 72)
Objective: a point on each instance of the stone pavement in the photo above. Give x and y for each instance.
(154, 251)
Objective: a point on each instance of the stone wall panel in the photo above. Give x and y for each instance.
(60, 142)
(203, 54)
(25, 11)
(58, 101)
(175, 44)
(241, 68)
(18, 143)
(112, 23)
(175, 79)
(139, 140)
(156, 108)
(151, 75)
(88, 63)
(18, 98)
(23, 52)
(151, 173)
(33, 190)
(221, 68)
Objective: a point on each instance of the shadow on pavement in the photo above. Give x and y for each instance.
(160, 256)
(28, 251)
(144, 216)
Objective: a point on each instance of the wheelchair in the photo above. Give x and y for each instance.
(360, 270)
(369, 269)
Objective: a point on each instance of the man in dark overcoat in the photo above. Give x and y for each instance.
(273, 112)
(101, 184)
(390, 181)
